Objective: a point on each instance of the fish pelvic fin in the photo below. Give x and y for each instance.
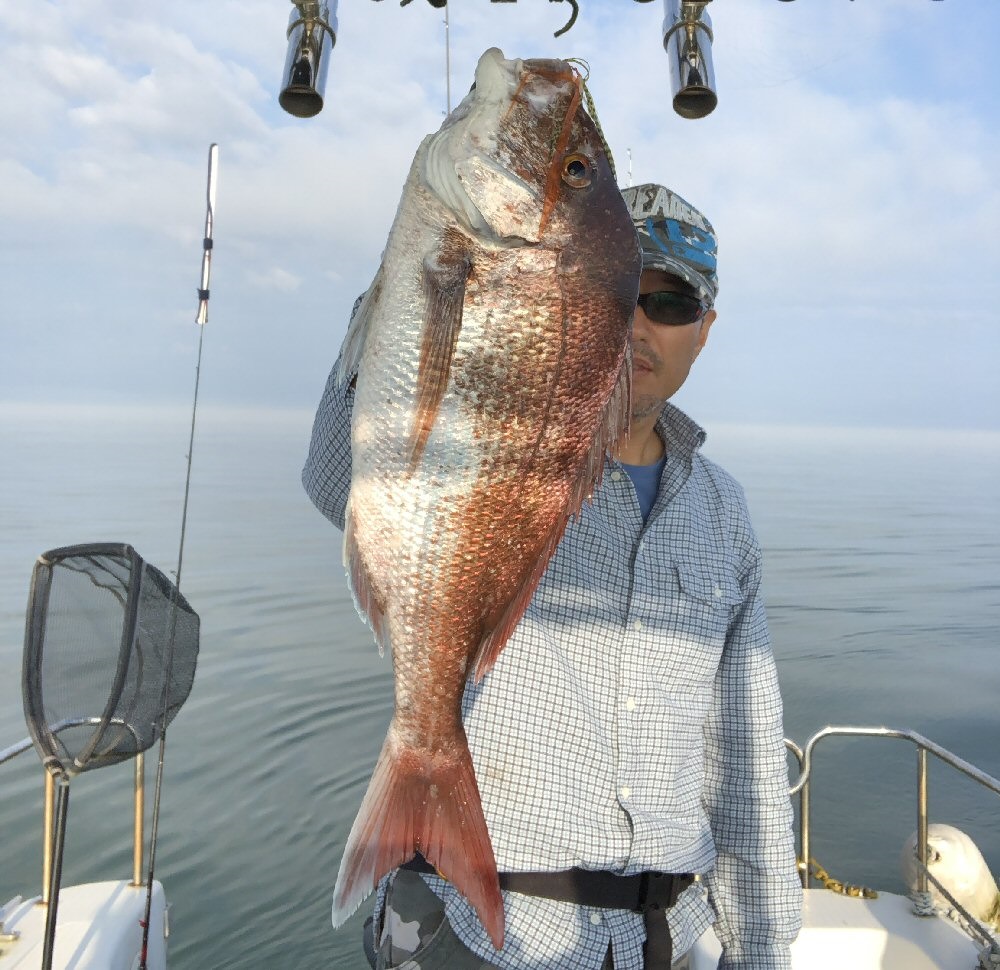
(357, 331)
(428, 802)
(613, 428)
(366, 600)
(444, 277)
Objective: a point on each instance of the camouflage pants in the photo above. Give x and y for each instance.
(416, 936)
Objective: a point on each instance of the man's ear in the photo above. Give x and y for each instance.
(706, 325)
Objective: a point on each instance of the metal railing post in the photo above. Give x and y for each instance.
(804, 810)
(48, 814)
(140, 808)
(922, 817)
(802, 784)
(924, 747)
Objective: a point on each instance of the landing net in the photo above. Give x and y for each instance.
(110, 651)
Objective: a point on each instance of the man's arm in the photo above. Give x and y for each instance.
(754, 888)
(326, 476)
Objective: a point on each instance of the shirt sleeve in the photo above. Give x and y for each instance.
(754, 887)
(326, 476)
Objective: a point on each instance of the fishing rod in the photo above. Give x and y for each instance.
(201, 319)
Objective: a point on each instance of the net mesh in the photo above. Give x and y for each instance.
(108, 639)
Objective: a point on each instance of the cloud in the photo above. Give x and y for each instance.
(275, 278)
(849, 177)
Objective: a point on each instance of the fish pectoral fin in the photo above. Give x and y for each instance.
(428, 802)
(444, 277)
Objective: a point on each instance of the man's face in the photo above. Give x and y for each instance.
(662, 354)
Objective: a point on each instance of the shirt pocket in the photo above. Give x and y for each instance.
(707, 593)
(710, 582)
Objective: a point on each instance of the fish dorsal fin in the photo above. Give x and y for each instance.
(611, 428)
(357, 330)
(444, 274)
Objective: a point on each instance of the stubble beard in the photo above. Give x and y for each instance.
(645, 407)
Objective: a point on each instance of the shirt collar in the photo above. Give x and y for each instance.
(678, 431)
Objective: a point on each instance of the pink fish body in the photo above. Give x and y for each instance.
(493, 367)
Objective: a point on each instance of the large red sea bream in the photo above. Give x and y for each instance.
(493, 367)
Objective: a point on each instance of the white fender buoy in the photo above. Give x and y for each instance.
(956, 862)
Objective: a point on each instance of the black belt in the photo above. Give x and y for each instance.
(649, 893)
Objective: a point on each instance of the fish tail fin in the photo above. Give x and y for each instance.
(427, 802)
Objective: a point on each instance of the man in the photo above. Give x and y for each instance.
(632, 725)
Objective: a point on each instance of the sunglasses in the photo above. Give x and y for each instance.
(672, 309)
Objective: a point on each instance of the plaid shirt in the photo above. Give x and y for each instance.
(632, 722)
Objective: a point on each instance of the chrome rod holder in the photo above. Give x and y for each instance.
(687, 39)
(312, 34)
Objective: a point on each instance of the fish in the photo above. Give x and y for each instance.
(493, 368)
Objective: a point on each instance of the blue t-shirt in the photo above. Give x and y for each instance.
(646, 481)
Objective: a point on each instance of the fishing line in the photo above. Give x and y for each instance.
(583, 71)
(201, 319)
(447, 61)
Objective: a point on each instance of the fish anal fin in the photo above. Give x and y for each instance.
(444, 277)
(427, 802)
(611, 428)
(499, 632)
(366, 600)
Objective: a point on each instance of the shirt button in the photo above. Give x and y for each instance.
(630, 703)
(615, 477)
(595, 918)
(718, 592)
(625, 791)
(637, 625)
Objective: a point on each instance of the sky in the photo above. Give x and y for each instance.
(849, 170)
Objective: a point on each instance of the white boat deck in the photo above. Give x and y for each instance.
(845, 933)
(99, 928)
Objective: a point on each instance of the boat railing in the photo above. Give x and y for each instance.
(48, 813)
(805, 757)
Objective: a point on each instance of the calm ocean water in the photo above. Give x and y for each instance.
(883, 588)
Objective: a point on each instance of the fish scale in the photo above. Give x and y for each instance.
(492, 362)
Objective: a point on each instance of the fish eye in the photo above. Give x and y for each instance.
(576, 171)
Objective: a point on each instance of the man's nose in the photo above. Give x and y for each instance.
(640, 322)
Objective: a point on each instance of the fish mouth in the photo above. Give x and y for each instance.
(464, 163)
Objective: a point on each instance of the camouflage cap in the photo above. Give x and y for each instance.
(675, 237)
